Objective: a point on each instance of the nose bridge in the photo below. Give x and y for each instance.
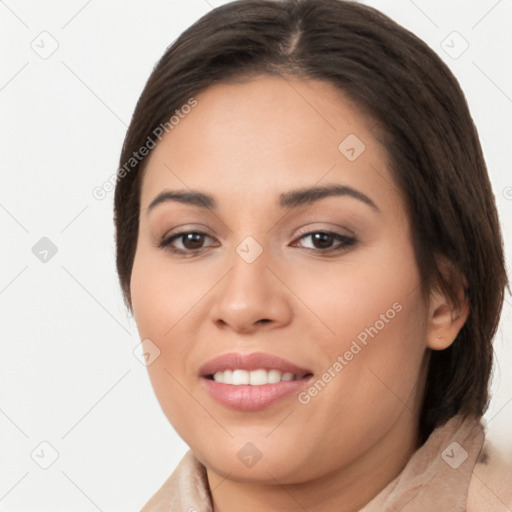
(250, 292)
(247, 282)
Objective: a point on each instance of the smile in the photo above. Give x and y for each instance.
(254, 378)
(251, 382)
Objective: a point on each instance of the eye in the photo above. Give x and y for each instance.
(186, 242)
(190, 243)
(327, 241)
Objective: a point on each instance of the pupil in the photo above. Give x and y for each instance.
(322, 240)
(193, 240)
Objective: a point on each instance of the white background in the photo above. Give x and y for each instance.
(68, 373)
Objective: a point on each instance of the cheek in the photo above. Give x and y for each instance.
(167, 309)
(373, 289)
(162, 295)
(383, 381)
(374, 326)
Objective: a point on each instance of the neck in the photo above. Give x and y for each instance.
(346, 489)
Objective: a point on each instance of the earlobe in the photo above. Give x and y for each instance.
(446, 319)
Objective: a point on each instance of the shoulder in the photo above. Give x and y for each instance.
(490, 487)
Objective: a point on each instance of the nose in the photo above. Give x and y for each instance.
(251, 297)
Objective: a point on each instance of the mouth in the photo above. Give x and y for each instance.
(251, 382)
(259, 377)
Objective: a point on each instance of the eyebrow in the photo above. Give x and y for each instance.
(296, 198)
(182, 196)
(287, 200)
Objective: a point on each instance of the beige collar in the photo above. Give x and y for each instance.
(436, 478)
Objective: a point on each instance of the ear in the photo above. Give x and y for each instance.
(446, 319)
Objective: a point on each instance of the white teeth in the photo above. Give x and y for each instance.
(240, 377)
(273, 376)
(228, 377)
(258, 377)
(218, 377)
(254, 377)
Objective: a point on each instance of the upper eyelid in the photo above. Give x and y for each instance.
(333, 230)
(166, 240)
(326, 232)
(184, 229)
(301, 234)
(348, 238)
(179, 234)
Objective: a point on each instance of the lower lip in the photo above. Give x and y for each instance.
(253, 398)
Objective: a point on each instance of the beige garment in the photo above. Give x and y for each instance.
(452, 471)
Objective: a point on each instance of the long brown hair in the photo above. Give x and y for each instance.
(423, 121)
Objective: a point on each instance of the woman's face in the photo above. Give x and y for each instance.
(326, 281)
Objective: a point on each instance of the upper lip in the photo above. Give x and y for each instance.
(254, 361)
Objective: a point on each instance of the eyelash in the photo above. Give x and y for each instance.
(344, 242)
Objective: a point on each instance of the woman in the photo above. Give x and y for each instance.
(308, 241)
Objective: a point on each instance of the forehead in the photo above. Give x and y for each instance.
(266, 135)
